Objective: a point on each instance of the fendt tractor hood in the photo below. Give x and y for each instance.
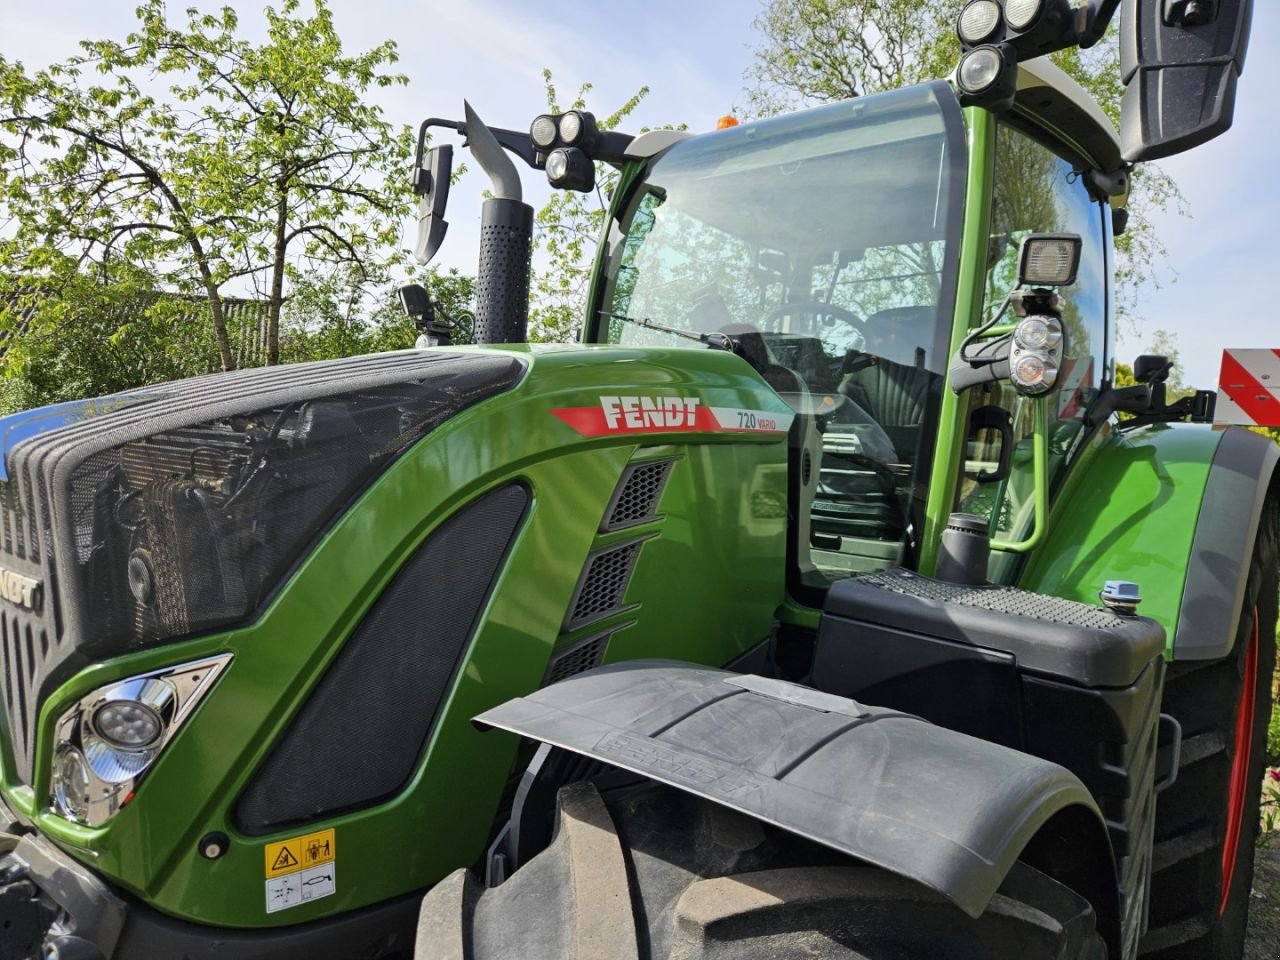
(155, 514)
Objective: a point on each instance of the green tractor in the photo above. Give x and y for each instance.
(820, 603)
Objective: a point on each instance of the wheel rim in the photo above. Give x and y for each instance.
(1238, 791)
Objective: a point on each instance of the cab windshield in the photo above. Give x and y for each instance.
(826, 244)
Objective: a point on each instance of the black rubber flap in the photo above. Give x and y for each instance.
(944, 809)
(1063, 639)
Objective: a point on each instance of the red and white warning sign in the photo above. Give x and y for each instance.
(1249, 388)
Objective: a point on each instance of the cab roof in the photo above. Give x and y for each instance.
(1050, 96)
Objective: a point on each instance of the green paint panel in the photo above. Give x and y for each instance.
(1128, 511)
(945, 473)
(705, 588)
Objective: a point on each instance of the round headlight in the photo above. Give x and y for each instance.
(1032, 374)
(978, 21)
(71, 784)
(543, 131)
(557, 166)
(980, 69)
(1037, 333)
(127, 724)
(1022, 14)
(571, 127)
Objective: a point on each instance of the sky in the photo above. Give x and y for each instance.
(693, 57)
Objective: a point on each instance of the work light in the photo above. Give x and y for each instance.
(543, 132)
(1022, 14)
(988, 76)
(1049, 259)
(571, 127)
(978, 22)
(568, 168)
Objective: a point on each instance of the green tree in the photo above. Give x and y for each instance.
(337, 314)
(88, 337)
(202, 158)
(566, 230)
(818, 51)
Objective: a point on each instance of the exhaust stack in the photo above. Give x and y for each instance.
(506, 243)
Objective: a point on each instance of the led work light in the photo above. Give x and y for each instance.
(978, 22)
(1022, 14)
(568, 168)
(543, 132)
(988, 76)
(1049, 260)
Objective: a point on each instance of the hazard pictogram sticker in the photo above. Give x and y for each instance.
(313, 849)
(1249, 388)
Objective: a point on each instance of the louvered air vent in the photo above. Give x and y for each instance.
(581, 656)
(636, 499)
(603, 585)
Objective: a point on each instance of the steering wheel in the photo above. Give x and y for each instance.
(819, 309)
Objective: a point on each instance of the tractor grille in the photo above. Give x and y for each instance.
(604, 584)
(27, 636)
(636, 499)
(581, 656)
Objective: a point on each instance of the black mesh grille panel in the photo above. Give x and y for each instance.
(581, 656)
(603, 585)
(367, 721)
(637, 496)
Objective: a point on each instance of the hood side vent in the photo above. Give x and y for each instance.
(636, 499)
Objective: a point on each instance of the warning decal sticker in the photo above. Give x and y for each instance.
(297, 888)
(285, 856)
(668, 415)
(300, 869)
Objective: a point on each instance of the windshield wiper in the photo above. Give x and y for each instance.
(716, 341)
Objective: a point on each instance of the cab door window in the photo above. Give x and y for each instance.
(1039, 191)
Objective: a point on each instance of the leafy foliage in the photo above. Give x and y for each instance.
(566, 230)
(197, 157)
(336, 314)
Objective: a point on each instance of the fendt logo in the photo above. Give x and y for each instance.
(21, 591)
(637, 413)
(668, 415)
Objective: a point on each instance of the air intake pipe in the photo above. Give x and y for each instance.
(966, 548)
(506, 243)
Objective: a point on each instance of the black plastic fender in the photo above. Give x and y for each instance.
(1218, 567)
(944, 809)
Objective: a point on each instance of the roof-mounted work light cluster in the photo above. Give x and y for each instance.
(996, 35)
(565, 146)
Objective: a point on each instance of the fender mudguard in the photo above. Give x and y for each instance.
(1172, 507)
(941, 808)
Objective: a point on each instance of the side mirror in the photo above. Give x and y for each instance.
(431, 184)
(1180, 60)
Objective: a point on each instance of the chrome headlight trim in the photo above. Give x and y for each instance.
(112, 771)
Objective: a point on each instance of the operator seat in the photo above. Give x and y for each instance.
(891, 382)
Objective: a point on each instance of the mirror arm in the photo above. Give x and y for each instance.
(1127, 399)
(1093, 21)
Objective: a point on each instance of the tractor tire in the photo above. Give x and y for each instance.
(1207, 822)
(660, 875)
